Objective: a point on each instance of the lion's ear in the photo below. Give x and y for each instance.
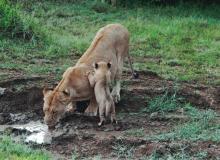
(47, 90)
(95, 65)
(109, 64)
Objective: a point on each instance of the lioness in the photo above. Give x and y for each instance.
(111, 43)
(101, 81)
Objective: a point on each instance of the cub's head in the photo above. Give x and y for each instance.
(102, 70)
(55, 102)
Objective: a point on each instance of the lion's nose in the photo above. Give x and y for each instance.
(48, 122)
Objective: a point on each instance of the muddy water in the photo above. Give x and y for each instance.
(35, 132)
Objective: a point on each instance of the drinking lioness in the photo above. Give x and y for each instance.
(111, 43)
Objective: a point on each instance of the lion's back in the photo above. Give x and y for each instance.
(105, 44)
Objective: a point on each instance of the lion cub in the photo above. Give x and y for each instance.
(101, 80)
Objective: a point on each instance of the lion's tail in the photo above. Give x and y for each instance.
(134, 74)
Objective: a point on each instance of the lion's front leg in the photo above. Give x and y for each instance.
(92, 109)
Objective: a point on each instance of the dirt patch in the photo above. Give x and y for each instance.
(21, 102)
(149, 84)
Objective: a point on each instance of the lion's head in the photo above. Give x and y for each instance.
(55, 102)
(74, 86)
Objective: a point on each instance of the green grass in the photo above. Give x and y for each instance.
(163, 104)
(178, 42)
(14, 24)
(14, 151)
(180, 155)
(201, 126)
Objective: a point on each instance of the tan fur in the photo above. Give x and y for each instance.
(110, 44)
(101, 81)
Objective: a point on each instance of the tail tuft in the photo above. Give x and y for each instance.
(135, 75)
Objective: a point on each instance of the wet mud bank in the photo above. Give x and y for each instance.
(24, 94)
(21, 116)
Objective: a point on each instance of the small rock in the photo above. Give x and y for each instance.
(4, 118)
(17, 117)
(57, 134)
(154, 115)
(2, 91)
(141, 150)
(181, 110)
(117, 128)
(41, 61)
(30, 115)
(87, 136)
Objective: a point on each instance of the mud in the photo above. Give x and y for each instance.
(21, 116)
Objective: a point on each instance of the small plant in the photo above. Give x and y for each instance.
(154, 156)
(100, 7)
(75, 155)
(135, 132)
(122, 150)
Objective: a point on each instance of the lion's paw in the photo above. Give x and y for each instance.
(114, 121)
(101, 123)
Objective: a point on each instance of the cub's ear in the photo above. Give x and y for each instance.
(47, 90)
(109, 64)
(95, 65)
(66, 92)
(87, 73)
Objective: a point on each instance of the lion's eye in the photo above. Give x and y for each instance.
(45, 109)
(54, 112)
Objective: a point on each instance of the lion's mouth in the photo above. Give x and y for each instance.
(52, 127)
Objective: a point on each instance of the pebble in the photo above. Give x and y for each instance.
(2, 91)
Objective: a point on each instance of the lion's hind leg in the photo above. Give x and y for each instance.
(113, 114)
(117, 88)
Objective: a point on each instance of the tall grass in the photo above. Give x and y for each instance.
(179, 42)
(14, 24)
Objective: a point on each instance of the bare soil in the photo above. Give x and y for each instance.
(21, 102)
